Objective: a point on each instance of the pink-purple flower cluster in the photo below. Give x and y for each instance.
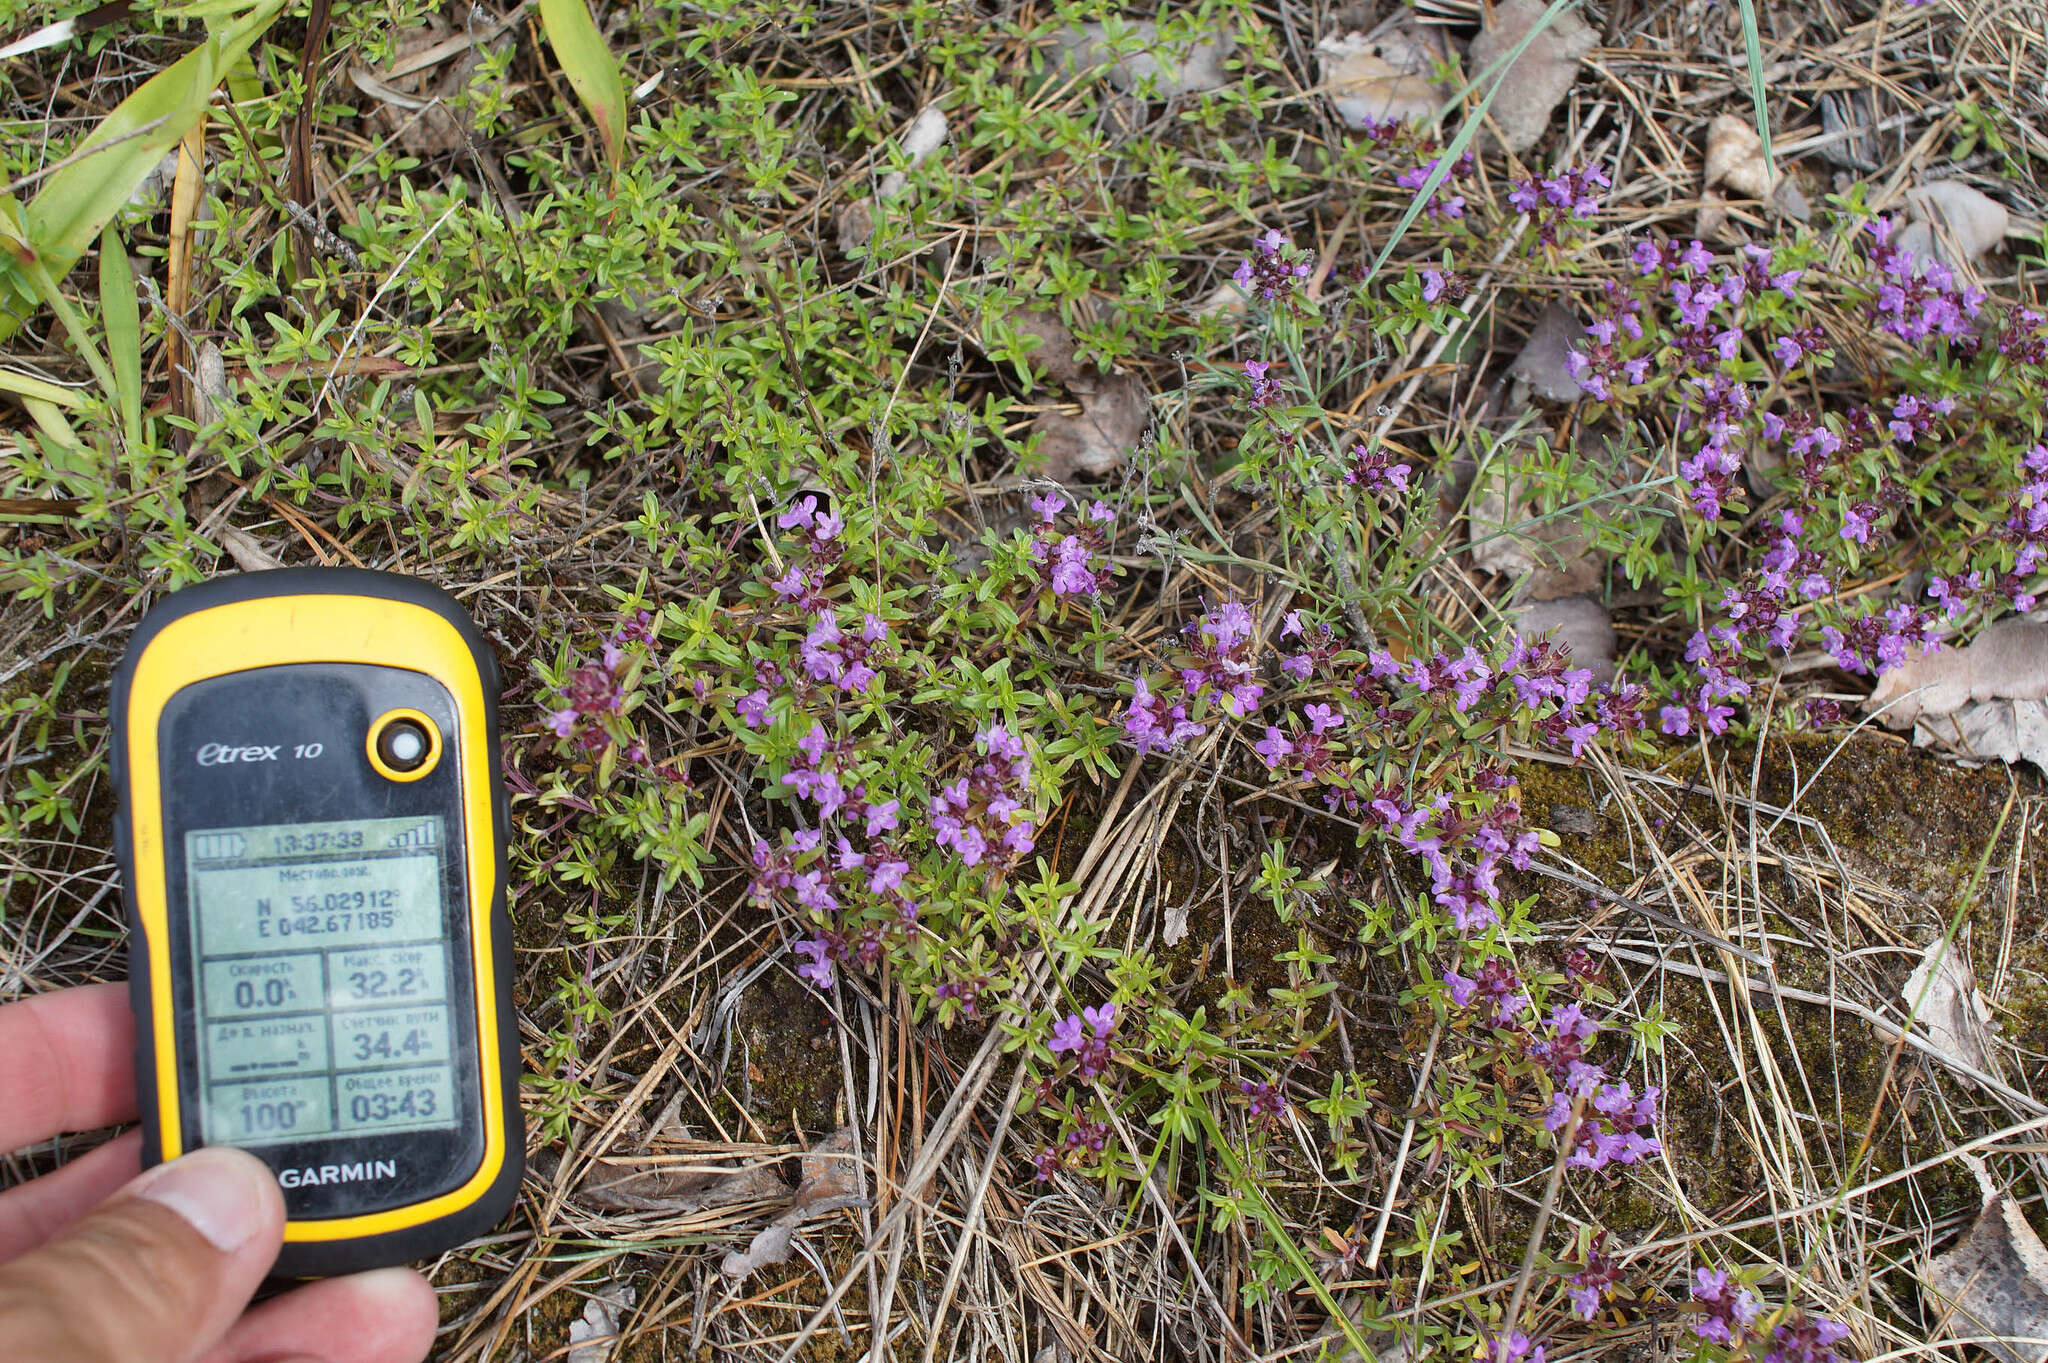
(1805, 1339)
(802, 583)
(1263, 1100)
(1076, 558)
(1917, 299)
(1265, 391)
(1153, 725)
(1513, 1347)
(1506, 997)
(1086, 1036)
(1221, 642)
(1369, 466)
(1555, 200)
(1084, 1141)
(595, 690)
(1444, 286)
(1441, 204)
(1594, 1282)
(839, 659)
(1730, 1308)
(1729, 1312)
(987, 813)
(1616, 1125)
(1274, 269)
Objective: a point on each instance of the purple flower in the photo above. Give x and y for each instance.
(1731, 1308)
(1461, 987)
(1101, 1020)
(819, 969)
(1265, 391)
(1066, 1035)
(799, 516)
(562, 722)
(1516, 1347)
(1274, 747)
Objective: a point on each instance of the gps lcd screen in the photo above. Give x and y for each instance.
(324, 986)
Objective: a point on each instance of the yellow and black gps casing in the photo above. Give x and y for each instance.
(311, 841)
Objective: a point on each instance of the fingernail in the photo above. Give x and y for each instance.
(223, 1194)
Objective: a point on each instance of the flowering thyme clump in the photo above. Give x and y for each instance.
(1730, 1307)
(1595, 1279)
(1078, 567)
(1086, 1036)
(1805, 1339)
(1273, 270)
(1371, 468)
(1265, 392)
(1615, 1126)
(986, 811)
(1440, 205)
(1222, 644)
(1556, 199)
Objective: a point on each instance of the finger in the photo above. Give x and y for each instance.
(383, 1317)
(36, 1211)
(66, 1063)
(156, 1274)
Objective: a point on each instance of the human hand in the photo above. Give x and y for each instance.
(98, 1265)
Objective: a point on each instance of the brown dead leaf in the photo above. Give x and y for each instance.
(1538, 82)
(1580, 623)
(1986, 702)
(592, 1335)
(247, 552)
(1951, 222)
(1711, 224)
(657, 1183)
(1543, 365)
(1114, 412)
(1054, 352)
(412, 105)
(1148, 67)
(1994, 1282)
(1384, 75)
(1735, 158)
(1942, 991)
(830, 1183)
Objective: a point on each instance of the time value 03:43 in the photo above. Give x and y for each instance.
(418, 1104)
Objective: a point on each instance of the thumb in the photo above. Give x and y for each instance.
(156, 1274)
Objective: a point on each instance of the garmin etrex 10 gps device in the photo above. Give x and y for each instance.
(312, 844)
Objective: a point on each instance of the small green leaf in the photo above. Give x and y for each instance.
(592, 72)
(123, 319)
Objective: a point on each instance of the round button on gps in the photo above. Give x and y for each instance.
(404, 745)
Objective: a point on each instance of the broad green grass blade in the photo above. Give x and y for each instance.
(121, 312)
(1753, 43)
(27, 386)
(1446, 158)
(52, 423)
(75, 204)
(592, 72)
